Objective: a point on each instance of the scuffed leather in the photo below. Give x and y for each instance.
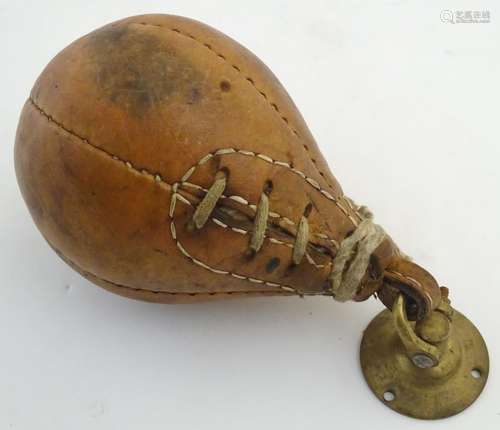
(119, 117)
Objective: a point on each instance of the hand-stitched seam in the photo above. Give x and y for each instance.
(228, 151)
(154, 176)
(273, 240)
(272, 214)
(267, 159)
(175, 196)
(86, 273)
(157, 178)
(243, 201)
(199, 263)
(249, 79)
(241, 231)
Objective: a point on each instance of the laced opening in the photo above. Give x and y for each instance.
(353, 255)
(258, 234)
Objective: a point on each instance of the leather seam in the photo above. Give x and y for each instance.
(175, 195)
(128, 164)
(273, 240)
(249, 79)
(87, 274)
(241, 231)
(157, 177)
(231, 151)
(272, 214)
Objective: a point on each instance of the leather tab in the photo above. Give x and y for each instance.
(419, 286)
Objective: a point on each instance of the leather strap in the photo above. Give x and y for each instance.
(419, 286)
(390, 274)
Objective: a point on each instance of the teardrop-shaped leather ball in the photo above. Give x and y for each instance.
(130, 127)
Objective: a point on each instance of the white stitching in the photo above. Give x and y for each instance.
(309, 180)
(239, 199)
(272, 240)
(183, 199)
(269, 102)
(265, 158)
(178, 196)
(188, 174)
(269, 160)
(224, 151)
(272, 214)
(158, 179)
(211, 269)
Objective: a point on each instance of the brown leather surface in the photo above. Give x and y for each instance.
(117, 120)
(420, 288)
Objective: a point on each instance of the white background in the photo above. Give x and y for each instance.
(405, 109)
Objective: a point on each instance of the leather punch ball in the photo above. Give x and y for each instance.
(165, 162)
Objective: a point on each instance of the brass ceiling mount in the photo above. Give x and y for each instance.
(434, 368)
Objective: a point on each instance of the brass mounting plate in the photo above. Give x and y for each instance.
(431, 393)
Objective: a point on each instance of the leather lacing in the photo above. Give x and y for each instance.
(353, 256)
(348, 246)
(215, 192)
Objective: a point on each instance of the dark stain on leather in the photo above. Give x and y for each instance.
(138, 71)
(272, 264)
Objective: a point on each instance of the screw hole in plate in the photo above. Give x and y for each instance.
(389, 396)
(475, 373)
